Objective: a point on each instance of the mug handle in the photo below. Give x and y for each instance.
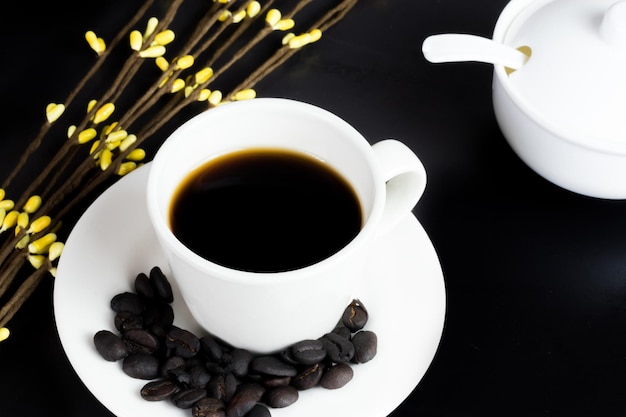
(405, 179)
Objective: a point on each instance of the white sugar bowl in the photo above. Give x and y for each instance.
(559, 89)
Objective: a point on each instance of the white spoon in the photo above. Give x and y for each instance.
(460, 47)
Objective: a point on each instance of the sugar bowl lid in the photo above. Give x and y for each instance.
(575, 79)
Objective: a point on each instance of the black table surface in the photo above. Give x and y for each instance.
(535, 275)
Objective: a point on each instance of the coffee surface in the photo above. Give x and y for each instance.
(265, 210)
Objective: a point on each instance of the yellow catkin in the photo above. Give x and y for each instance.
(7, 205)
(165, 37)
(247, 94)
(204, 94)
(136, 155)
(32, 204)
(104, 113)
(94, 146)
(37, 261)
(55, 250)
(162, 63)
(215, 97)
(151, 26)
(316, 35)
(39, 224)
(9, 220)
(128, 140)
(4, 333)
(239, 16)
(185, 62)
(136, 40)
(253, 9)
(42, 244)
(152, 51)
(2, 194)
(224, 16)
(23, 242)
(272, 17)
(92, 103)
(3, 213)
(106, 157)
(96, 43)
(54, 111)
(284, 24)
(70, 131)
(22, 222)
(126, 167)
(203, 75)
(87, 135)
(299, 41)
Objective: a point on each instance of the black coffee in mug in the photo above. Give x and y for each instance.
(265, 210)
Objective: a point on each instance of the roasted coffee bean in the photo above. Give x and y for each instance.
(275, 381)
(259, 410)
(209, 407)
(141, 366)
(286, 355)
(158, 390)
(343, 331)
(181, 377)
(338, 348)
(182, 342)
(211, 348)
(246, 397)
(355, 316)
(128, 302)
(281, 397)
(309, 352)
(162, 285)
(308, 378)
(271, 365)
(140, 340)
(222, 387)
(336, 376)
(171, 363)
(110, 346)
(144, 287)
(365, 346)
(240, 362)
(199, 376)
(125, 321)
(159, 318)
(188, 397)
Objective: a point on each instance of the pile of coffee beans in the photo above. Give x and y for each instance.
(213, 379)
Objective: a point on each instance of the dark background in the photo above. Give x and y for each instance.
(535, 275)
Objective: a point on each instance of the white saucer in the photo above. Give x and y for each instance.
(113, 242)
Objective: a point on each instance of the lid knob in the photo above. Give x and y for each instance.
(613, 27)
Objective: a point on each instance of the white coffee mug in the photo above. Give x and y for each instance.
(266, 312)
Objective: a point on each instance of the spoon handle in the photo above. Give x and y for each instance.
(454, 47)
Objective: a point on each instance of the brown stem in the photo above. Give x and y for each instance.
(21, 295)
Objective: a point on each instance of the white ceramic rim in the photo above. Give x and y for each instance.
(508, 15)
(272, 278)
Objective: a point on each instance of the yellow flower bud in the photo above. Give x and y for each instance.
(136, 155)
(87, 135)
(4, 333)
(2, 194)
(215, 97)
(42, 244)
(106, 157)
(253, 9)
(39, 224)
(128, 140)
(151, 26)
(284, 24)
(54, 111)
(55, 250)
(152, 51)
(7, 205)
(246, 94)
(204, 75)
(96, 43)
(117, 136)
(162, 63)
(23, 242)
(185, 62)
(316, 35)
(272, 17)
(94, 146)
(37, 261)
(165, 37)
(92, 103)
(9, 220)
(299, 41)
(178, 85)
(3, 213)
(70, 131)
(288, 37)
(126, 167)
(136, 40)
(224, 16)
(108, 129)
(239, 16)
(204, 94)
(103, 113)
(32, 204)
